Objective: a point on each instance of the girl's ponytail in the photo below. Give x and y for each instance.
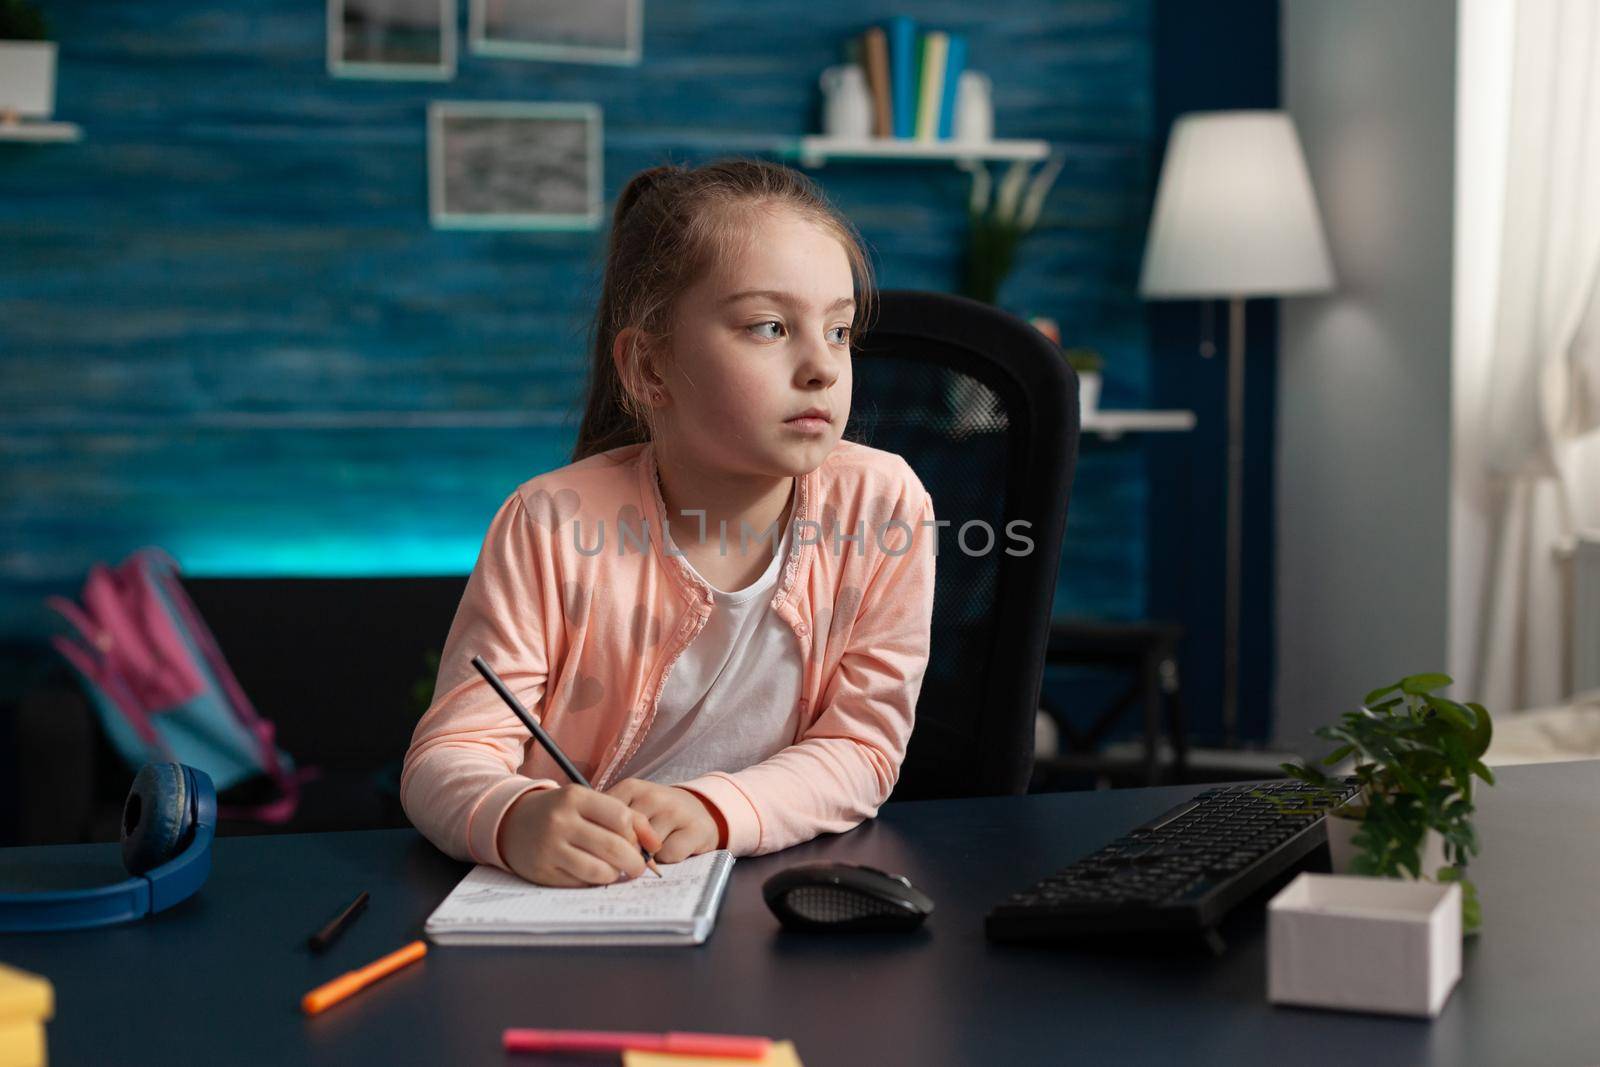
(639, 186)
(669, 226)
(612, 416)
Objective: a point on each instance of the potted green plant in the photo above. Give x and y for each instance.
(1088, 364)
(27, 63)
(1416, 754)
(998, 224)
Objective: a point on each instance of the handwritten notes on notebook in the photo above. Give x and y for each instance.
(491, 907)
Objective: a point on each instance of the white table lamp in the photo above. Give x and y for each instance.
(1234, 218)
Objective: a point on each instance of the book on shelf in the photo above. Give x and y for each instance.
(912, 76)
(935, 45)
(875, 60)
(955, 64)
(901, 31)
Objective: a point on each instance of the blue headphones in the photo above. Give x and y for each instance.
(168, 821)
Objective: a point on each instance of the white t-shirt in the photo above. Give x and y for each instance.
(732, 697)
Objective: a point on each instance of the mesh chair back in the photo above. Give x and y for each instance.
(985, 409)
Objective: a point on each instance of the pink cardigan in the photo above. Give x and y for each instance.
(586, 639)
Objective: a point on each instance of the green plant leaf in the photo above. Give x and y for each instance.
(1455, 714)
(1337, 755)
(1376, 693)
(1483, 730)
(1471, 913)
(1419, 684)
(1417, 754)
(1084, 360)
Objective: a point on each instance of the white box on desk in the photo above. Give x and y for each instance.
(1364, 944)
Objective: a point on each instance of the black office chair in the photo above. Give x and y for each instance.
(985, 409)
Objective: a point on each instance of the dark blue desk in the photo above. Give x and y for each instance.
(218, 979)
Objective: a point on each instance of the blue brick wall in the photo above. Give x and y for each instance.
(226, 327)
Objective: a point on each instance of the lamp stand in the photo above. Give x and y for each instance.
(1230, 657)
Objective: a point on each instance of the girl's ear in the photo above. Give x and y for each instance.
(634, 354)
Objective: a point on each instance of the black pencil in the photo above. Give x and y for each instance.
(326, 936)
(545, 739)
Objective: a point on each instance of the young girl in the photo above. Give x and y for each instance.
(720, 609)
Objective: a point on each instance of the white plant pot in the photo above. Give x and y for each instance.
(1088, 393)
(27, 78)
(1343, 851)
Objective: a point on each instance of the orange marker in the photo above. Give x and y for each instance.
(328, 994)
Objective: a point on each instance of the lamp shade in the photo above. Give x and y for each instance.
(1234, 214)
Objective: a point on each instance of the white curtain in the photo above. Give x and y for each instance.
(1542, 404)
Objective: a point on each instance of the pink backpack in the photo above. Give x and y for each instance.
(161, 687)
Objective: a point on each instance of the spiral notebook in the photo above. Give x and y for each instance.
(491, 907)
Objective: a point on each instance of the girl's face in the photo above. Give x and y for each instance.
(757, 342)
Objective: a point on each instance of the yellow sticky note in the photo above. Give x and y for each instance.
(780, 1054)
(22, 1044)
(25, 997)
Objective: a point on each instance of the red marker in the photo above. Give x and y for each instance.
(729, 1045)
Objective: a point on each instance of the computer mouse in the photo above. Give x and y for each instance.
(844, 897)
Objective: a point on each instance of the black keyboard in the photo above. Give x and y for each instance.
(1183, 870)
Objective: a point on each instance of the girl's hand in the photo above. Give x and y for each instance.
(683, 820)
(573, 836)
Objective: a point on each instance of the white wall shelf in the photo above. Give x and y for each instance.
(817, 151)
(41, 132)
(1112, 424)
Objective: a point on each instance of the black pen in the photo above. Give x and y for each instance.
(326, 936)
(545, 739)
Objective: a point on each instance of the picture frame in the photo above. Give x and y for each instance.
(558, 31)
(512, 165)
(401, 40)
